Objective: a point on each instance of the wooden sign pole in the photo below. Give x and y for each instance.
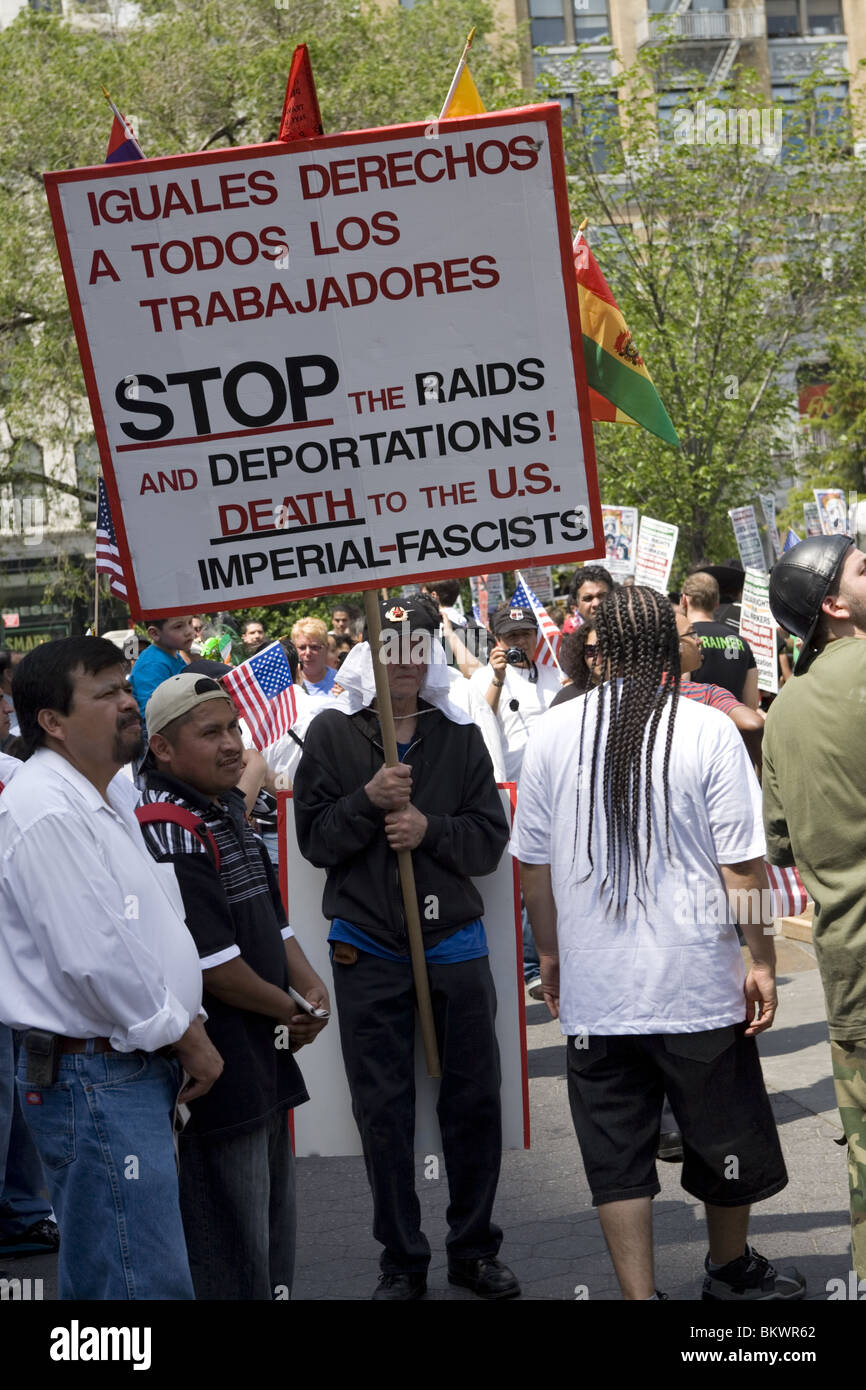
(404, 856)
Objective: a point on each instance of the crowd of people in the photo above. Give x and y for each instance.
(154, 998)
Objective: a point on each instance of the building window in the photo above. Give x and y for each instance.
(832, 117)
(669, 6)
(555, 22)
(591, 24)
(795, 18)
(546, 22)
(86, 475)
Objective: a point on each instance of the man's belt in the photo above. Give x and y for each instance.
(82, 1044)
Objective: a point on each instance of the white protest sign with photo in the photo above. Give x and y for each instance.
(325, 1125)
(656, 546)
(758, 628)
(620, 536)
(832, 507)
(335, 364)
(748, 537)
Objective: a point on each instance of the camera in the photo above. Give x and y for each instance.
(515, 657)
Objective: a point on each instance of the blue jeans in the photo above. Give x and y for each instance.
(531, 965)
(104, 1134)
(21, 1177)
(237, 1196)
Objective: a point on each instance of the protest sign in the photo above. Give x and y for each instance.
(758, 628)
(748, 537)
(656, 545)
(620, 532)
(768, 507)
(334, 364)
(540, 580)
(325, 1124)
(812, 519)
(488, 591)
(832, 510)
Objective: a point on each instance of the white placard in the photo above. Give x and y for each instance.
(748, 537)
(656, 547)
(335, 364)
(540, 580)
(768, 507)
(832, 510)
(758, 628)
(325, 1125)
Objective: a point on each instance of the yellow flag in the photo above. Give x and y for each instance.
(465, 101)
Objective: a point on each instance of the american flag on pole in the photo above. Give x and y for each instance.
(789, 892)
(262, 689)
(550, 639)
(107, 553)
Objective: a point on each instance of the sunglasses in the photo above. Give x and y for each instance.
(590, 651)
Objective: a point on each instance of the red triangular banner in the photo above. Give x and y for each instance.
(301, 118)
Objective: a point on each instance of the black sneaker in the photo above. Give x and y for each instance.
(751, 1279)
(42, 1238)
(399, 1288)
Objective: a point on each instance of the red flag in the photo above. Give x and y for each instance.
(301, 116)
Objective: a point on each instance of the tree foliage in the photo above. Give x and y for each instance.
(730, 261)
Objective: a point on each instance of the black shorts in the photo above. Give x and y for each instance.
(713, 1080)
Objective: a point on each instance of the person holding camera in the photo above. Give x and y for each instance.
(514, 686)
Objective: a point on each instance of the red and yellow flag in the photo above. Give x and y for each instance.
(621, 389)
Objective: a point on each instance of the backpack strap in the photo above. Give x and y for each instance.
(179, 815)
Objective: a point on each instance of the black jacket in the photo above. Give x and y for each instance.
(340, 829)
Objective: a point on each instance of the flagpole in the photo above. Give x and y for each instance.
(96, 574)
(522, 581)
(458, 74)
(404, 856)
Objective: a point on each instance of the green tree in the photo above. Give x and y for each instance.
(730, 261)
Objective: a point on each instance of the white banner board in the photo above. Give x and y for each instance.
(325, 1126)
(335, 364)
(758, 628)
(748, 537)
(656, 547)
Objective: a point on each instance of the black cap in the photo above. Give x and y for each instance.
(799, 583)
(512, 617)
(409, 615)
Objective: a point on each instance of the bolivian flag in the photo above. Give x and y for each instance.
(620, 387)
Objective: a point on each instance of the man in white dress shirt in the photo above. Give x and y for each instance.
(96, 964)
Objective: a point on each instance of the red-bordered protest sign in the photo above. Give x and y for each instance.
(336, 364)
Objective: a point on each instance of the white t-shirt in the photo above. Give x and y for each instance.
(671, 963)
(521, 704)
(467, 696)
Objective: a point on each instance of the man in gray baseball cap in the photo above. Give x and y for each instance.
(815, 804)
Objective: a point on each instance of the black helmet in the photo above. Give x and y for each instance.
(800, 582)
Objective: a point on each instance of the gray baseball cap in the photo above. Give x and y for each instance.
(178, 695)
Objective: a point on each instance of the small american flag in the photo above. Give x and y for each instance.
(789, 893)
(107, 553)
(263, 692)
(547, 651)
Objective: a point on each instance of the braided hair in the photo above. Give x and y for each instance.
(639, 652)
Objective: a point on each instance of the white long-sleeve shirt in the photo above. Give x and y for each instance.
(93, 940)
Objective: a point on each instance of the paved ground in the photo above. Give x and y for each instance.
(552, 1236)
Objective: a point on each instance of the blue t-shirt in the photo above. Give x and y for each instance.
(469, 943)
(150, 670)
(322, 687)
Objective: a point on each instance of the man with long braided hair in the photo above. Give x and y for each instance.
(640, 842)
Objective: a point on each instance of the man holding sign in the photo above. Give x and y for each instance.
(352, 813)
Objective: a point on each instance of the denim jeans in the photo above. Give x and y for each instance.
(21, 1175)
(104, 1134)
(237, 1196)
(530, 950)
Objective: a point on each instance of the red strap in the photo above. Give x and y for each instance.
(179, 815)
